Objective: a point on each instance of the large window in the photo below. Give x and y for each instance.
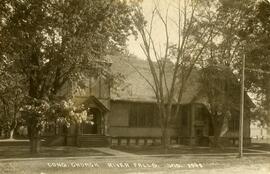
(143, 115)
(146, 115)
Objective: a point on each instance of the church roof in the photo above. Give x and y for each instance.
(136, 88)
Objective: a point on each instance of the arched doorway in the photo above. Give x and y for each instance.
(92, 124)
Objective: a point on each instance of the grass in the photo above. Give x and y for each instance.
(71, 151)
(261, 146)
(23, 152)
(156, 150)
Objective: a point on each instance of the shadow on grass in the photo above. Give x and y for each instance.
(261, 146)
(65, 151)
(158, 150)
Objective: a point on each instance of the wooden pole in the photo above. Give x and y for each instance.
(241, 120)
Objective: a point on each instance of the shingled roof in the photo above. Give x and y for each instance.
(136, 88)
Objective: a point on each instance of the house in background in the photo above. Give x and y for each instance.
(259, 133)
(126, 114)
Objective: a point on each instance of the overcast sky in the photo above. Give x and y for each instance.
(158, 29)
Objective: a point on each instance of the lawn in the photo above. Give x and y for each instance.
(156, 150)
(23, 152)
(71, 151)
(261, 146)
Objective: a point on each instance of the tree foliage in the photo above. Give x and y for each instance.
(258, 57)
(222, 89)
(11, 95)
(241, 29)
(253, 33)
(53, 43)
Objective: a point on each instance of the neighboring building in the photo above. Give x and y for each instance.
(126, 114)
(259, 133)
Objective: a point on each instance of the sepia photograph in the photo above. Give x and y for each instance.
(134, 86)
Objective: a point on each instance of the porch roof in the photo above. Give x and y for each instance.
(91, 102)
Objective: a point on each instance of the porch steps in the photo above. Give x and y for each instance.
(93, 141)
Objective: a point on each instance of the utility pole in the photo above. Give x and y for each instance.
(241, 120)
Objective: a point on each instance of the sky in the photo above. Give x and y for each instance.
(158, 28)
(134, 45)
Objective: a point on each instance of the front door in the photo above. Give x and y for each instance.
(93, 122)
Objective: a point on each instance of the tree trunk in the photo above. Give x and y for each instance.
(217, 130)
(34, 82)
(34, 137)
(216, 137)
(65, 131)
(11, 135)
(165, 139)
(268, 98)
(35, 145)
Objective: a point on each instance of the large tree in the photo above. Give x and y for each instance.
(258, 60)
(222, 91)
(53, 42)
(245, 32)
(172, 60)
(222, 57)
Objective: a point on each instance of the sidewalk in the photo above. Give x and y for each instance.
(63, 152)
(259, 151)
(114, 152)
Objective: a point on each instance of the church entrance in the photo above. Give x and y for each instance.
(92, 125)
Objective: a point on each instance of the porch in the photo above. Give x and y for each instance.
(88, 133)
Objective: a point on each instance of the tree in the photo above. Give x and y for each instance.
(258, 58)
(221, 88)
(235, 37)
(221, 63)
(11, 96)
(171, 65)
(52, 43)
(249, 21)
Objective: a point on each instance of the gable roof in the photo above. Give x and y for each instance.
(90, 102)
(136, 88)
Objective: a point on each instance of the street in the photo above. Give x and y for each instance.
(139, 164)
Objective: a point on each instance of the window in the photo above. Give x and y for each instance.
(181, 117)
(184, 115)
(234, 124)
(146, 115)
(175, 119)
(199, 112)
(143, 115)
